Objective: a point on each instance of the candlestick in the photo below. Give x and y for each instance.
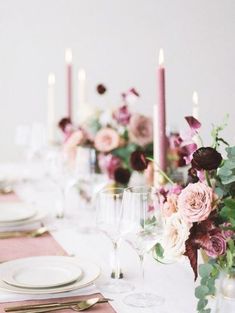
(195, 113)
(81, 94)
(51, 108)
(195, 105)
(68, 61)
(160, 142)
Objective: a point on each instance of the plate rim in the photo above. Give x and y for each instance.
(26, 207)
(40, 215)
(10, 280)
(83, 282)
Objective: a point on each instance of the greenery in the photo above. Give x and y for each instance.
(209, 272)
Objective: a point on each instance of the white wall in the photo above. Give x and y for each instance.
(116, 42)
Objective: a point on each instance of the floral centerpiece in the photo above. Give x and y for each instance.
(200, 215)
(114, 134)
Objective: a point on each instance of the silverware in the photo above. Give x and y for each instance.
(76, 306)
(15, 234)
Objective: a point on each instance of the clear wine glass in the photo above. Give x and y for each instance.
(141, 226)
(64, 176)
(108, 215)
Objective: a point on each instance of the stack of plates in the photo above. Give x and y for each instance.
(19, 213)
(47, 274)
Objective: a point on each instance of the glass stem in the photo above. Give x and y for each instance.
(141, 257)
(61, 210)
(116, 261)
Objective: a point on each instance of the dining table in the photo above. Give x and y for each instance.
(76, 236)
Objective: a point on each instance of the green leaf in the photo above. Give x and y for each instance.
(228, 180)
(211, 285)
(229, 164)
(227, 212)
(219, 191)
(201, 292)
(231, 245)
(202, 303)
(231, 152)
(229, 258)
(205, 270)
(205, 311)
(204, 280)
(232, 221)
(159, 250)
(224, 171)
(230, 203)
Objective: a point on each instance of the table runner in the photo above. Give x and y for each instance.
(14, 248)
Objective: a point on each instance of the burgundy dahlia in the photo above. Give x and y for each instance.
(64, 123)
(138, 161)
(206, 158)
(101, 89)
(122, 175)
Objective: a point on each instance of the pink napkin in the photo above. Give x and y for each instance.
(14, 248)
(99, 308)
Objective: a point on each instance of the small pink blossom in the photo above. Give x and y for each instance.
(108, 164)
(227, 233)
(106, 140)
(71, 143)
(131, 96)
(175, 189)
(122, 115)
(141, 129)
(195, 202)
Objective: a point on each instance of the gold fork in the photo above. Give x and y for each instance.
(15, 234)
(76, 306)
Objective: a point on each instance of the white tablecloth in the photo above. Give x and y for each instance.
(174, 282)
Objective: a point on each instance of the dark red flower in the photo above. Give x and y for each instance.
(206, 158)
(194, 124)
(64, 123)
(122, 175)
(138, 161)
(192, 176)
(101, 89)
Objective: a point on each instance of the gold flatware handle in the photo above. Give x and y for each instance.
(15, 234)
(26, 308)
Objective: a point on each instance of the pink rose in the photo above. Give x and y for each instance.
(227, 233)
(195, 202)
(141, 129)
(106, 140)
(170, 206)
(216, 245)
(108, 164)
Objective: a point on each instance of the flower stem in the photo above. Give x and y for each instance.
(161, 172)
(208, 179)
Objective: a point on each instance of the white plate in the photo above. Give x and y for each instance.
(40, 215)
(41, 272)
(90, 273)
(15, 212)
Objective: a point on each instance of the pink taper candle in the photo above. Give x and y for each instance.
(160, 141)
(68, 60)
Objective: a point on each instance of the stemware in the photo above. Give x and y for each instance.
(64, 176)
(108, 215)
(141, 227)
